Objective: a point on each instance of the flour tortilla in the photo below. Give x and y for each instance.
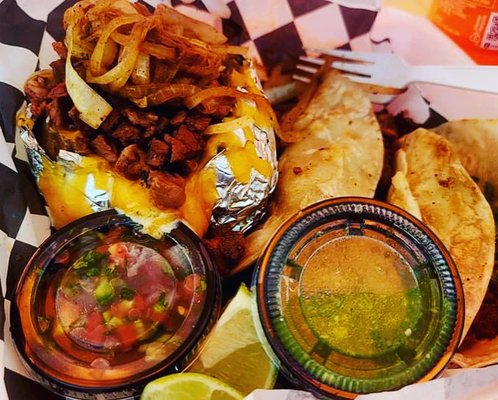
(337, 150)
(431, 183)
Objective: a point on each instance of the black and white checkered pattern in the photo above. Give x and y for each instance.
(274, 30)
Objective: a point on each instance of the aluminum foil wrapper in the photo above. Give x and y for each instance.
(99, 200)
(239, 205)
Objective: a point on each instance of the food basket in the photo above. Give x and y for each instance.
(275, 31)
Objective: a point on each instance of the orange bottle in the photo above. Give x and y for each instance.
(472, 24)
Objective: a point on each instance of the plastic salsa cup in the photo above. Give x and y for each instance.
(101, 308)
(357, 296)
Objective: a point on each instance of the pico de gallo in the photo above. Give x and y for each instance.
(117, 295)
(108, 304)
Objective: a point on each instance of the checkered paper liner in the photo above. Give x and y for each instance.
(274, 31)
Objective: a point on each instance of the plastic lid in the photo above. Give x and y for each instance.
(357, 296)
(102, 307)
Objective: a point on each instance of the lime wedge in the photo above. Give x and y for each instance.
(189, 386)
(233, 353)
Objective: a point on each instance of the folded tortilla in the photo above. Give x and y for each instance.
(476, 143)
(337, 150)
(432, 184)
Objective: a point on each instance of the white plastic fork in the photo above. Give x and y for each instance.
(389, 70)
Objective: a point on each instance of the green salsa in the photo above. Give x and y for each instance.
(363, 324)
(359, 297)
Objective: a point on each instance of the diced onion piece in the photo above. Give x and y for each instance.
(125, 6)
(100, 6)
(156, 50)
(171, 91)
(121, 5)
(82, 49)
(229, 49)
(117, 76)
(198, 29)
(100, 48)
(142, 102)
(110, 53)
(220, 91)
(229, 126)
(141, 72)
(137, 91)
(159, 51)
(92, 107)
(265, 107)
(75, 13)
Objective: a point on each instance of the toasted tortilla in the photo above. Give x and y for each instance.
(476, 143)
(431, 181)
(337, 150)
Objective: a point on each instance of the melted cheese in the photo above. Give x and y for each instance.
(66, 190)
(201, 195)
(240, 151)
(68, 193)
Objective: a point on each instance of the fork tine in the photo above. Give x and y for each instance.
(301, 78)
(359, 79)
(312, 60)
(305, 68)
(349, 55)
(360, 69)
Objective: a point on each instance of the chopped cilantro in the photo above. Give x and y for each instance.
(90, 263)
(127, 293)
(161, 304)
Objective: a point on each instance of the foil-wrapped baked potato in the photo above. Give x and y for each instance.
(153, 114)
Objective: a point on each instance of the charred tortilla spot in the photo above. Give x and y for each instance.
(297, 170)
(448, 182)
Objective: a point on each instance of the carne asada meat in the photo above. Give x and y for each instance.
(167, 190)
(105, 148)
(158, 153)
(131, 163)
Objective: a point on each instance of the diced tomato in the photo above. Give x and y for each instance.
(119, 254)
(156, 316)
(50, 302)
(95, 318)
(138, 302)
(127, 334)
(102, 249)
(63, 257)
(133, 314)
(188, 289)
(116, 311)
(192, 283)
(121, 309)
(96, 336)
